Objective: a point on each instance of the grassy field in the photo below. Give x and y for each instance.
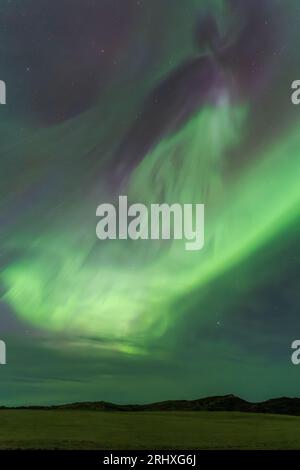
(24, 429)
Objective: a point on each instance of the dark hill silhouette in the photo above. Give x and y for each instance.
(283, 405)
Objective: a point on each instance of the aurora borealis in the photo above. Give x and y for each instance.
(177, 102)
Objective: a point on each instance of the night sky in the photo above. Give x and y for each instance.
(164, 101)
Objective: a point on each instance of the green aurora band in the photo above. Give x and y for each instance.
(121, 291)
(124, 290)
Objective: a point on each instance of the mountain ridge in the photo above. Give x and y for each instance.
(280, 405)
